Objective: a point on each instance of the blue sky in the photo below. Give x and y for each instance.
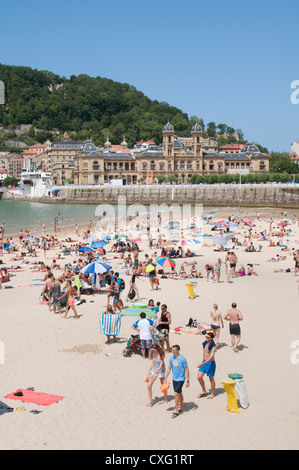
(228, 61)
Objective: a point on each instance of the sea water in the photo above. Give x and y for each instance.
(19, 215)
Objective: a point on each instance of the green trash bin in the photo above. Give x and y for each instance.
(235, 376)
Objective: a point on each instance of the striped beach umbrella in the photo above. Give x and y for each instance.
(165, 262)
(96, 268)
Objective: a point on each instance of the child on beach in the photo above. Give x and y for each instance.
(157, 369)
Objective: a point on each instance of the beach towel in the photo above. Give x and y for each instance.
(29, 396)
(135, 312)
(110, 324)
(77, 283)
(4, 408)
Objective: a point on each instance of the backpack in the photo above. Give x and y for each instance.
(122, 284)
(132, 294)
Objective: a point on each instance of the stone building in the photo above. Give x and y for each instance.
(178, 157)
(60, 154)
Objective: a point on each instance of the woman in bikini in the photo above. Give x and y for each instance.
(217, 320)
(70, 293)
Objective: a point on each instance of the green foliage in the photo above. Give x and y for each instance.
(281, 163)
(85, 105)
(10, 181)
(245, 179)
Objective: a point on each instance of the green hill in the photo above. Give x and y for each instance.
(88, 107)
(84, 105)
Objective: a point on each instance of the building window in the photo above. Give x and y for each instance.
(96, 166)
(153, 166)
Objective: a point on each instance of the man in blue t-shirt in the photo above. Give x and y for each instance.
(180, 372)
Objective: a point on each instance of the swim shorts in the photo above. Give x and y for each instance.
(178, 385)
(146, 343)
(234, 329)
(209, 368)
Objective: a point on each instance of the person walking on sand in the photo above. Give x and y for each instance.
(217, 321)
(145, 327)
(180, 372)
(234, 316)
(54, 293)
(208, 366)
(70, 294)
(163, 327)
(233, 259)
(157, 369)
(296, 259)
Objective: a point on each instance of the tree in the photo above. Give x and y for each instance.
(222, 128)
(10, 181)
(281, 163)
(211, 129)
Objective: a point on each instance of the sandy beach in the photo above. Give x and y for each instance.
(105, 396)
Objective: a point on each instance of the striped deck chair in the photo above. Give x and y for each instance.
(110, 323)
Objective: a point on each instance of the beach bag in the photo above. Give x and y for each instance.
(132, 294)
(122, 284)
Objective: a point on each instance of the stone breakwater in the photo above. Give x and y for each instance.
(209, 195)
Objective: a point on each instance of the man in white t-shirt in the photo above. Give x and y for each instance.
(145, 327)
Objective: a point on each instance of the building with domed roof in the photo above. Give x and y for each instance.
(176, 157)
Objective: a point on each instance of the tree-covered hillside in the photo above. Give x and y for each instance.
(84, 105)
(90, 107)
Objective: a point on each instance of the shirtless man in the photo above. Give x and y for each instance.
(296, 259)
(208, 366)
(234, 316)
(217, 322)
(232, 259)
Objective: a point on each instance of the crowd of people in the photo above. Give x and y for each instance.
(64, 283)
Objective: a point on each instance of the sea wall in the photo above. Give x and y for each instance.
(250, 196)
(209, 195)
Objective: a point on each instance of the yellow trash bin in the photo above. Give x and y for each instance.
(190, 290)
(232, 402)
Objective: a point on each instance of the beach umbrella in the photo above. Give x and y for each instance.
(229, 236)
(85, 249)
(135, 239)
(212, 215)
(216, 223)
(103, 236)
(231, 224)
(122, 238)
(248, 222)
(95, 268)
(165, 262)
(181, 243)
(106, 266)
(219, 240)
(149, 268)
(193, 241)
(98, 244)
(90, 240)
